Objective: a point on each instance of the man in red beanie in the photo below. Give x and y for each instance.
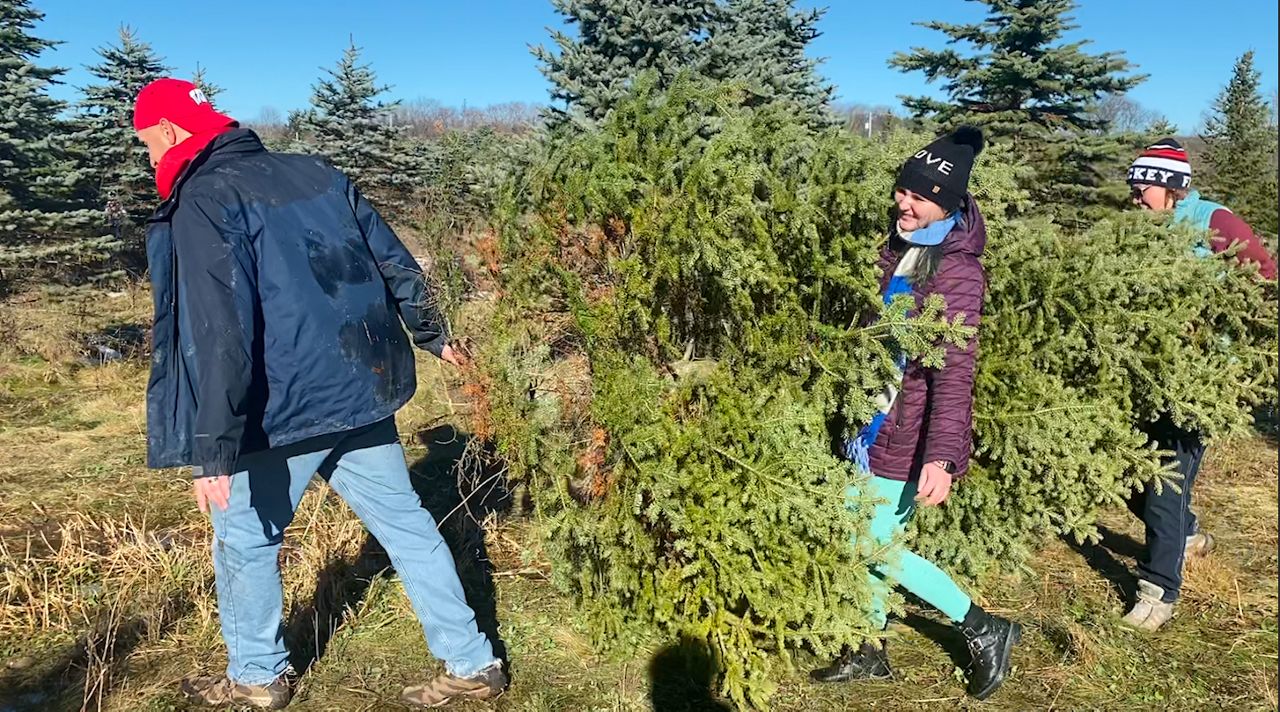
(176, 121)
(279, 353)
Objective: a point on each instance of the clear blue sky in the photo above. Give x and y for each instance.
(269, 52)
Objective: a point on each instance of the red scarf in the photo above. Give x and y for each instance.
(177, 159)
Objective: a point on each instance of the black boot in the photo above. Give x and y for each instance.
(991, 640)
(869, 662)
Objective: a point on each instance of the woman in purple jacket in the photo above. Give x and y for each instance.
(920, 440)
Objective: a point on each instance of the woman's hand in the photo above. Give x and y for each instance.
(935, 484)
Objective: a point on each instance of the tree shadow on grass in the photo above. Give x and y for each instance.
(682, 677)
(339, 588)
(461, 486)
(944, 635)
(1101, 557)
(1266, 421)
(115, 342)
(1120, 544)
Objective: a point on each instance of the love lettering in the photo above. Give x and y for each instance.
(944, 166)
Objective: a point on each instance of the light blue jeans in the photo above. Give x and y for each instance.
(366, 467)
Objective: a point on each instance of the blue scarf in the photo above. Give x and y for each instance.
(932, 234)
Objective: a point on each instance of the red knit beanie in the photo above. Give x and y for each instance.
(181, 102)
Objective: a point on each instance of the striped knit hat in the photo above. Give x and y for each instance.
(1164, 163)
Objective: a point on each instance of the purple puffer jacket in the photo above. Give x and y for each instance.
(932, 417)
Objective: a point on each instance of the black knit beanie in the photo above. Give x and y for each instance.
(940, 171)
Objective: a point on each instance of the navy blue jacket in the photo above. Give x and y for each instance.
(279, 294)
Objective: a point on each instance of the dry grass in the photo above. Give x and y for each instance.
(52, 326)
(83, 603)
(106, 595)
(91, 590)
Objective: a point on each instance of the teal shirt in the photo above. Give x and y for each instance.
(1197, 212)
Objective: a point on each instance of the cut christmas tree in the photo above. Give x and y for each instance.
(690, 325)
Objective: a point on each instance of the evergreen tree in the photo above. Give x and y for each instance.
(681, 322)
(25, 146)
(1240, 149)
(291, 139)
(119, 174)
(349, 125)
(1023, 84)
(42, 228)
(617, 39)
(1161, 128)
(1065, 379)
(211, 90)
(763, 42)
(691, 311)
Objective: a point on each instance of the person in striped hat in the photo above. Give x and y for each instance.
(1160, 180)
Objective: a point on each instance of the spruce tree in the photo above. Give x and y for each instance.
(211, 90)
(1066, 379)
(617, 39)
(763, 42)
(1161, 128)
(43, 229)
(691, 324)
(25, 146)
(349, 125)
(1240, 149)
(1025, 85)
(682, 322)
(119, 177)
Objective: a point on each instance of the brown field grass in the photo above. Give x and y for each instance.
(106, 594)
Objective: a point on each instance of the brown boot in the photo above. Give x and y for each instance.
(218, 691)
(484, 685)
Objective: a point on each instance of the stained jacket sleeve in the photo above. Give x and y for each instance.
(218, 283)
(414, 299)
(950, 402)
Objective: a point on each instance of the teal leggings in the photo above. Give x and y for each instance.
(915, 574)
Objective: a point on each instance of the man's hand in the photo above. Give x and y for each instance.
(212, 489)
(454, 357)
(935, 485)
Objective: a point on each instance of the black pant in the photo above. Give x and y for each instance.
(1168, 514)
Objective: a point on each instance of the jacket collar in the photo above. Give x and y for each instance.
(225, 145)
